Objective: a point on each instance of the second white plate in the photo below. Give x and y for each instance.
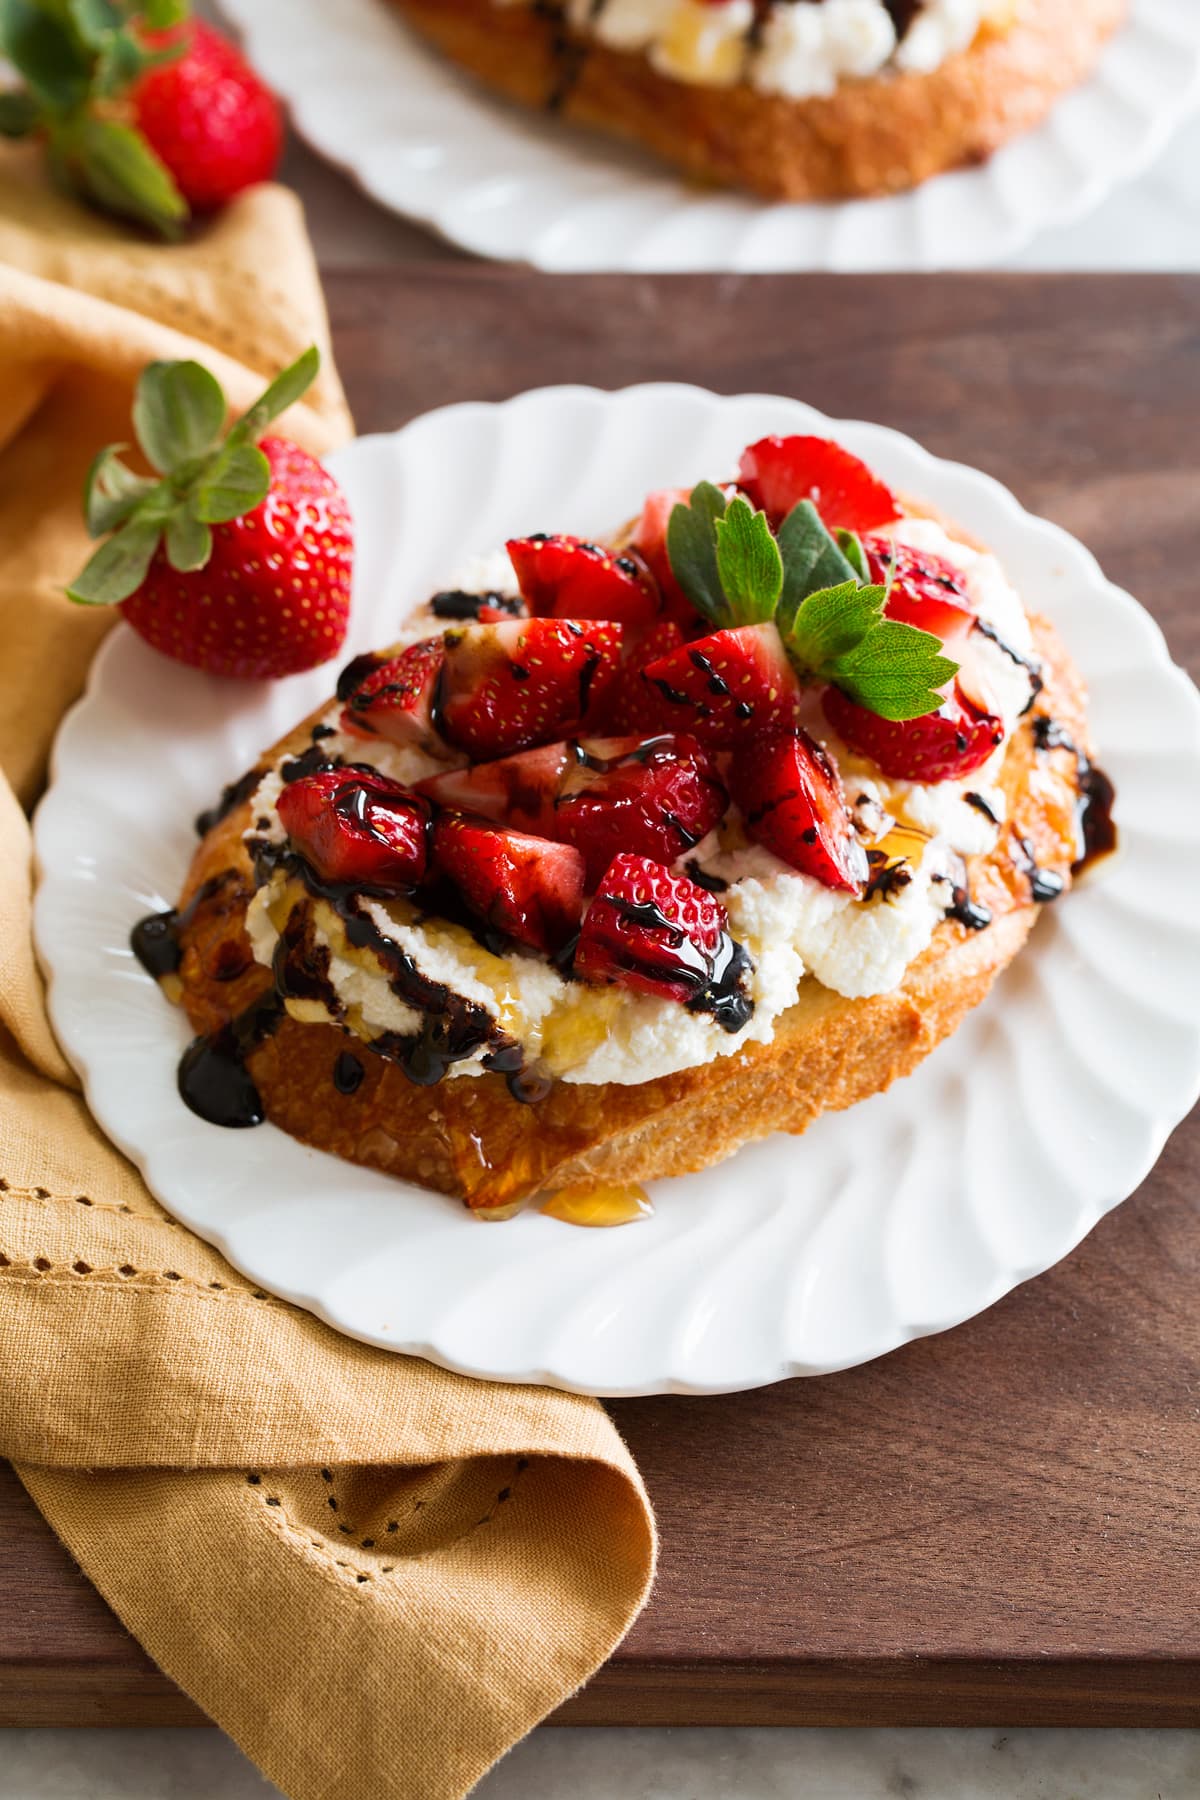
(908, 1214)
(506, 183)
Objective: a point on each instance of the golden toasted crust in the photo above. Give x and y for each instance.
(469, 1137)
(871, 137)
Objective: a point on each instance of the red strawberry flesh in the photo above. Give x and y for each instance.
(208, 116)
(659, 933)
(778, 472)
(925, 589)
(792, 802)
(727, 687)
(569, 578)
(650, 539)
(356, 827)
(631, 704)
(522, 887)
(397, 698)
(943, 746)
(510, 686)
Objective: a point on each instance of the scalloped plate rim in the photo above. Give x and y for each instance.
(359, 160)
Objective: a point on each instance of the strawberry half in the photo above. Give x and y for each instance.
(523, 887)
(792, 802)
(631, 704)
(778, 472)
(353, 826)
(397, 700)
(659, 933)
(926, 590)
(654, 797)
(520, 791)
(568, 578)
(650, 538)
(527, 681)
(943, 746)
(726, 687)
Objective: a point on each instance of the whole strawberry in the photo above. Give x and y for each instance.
(237, 559)
(142, 112)
(208, 117)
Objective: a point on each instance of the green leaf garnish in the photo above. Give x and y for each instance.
(749, 565)
(19, 113)
(119, 566)
(830, 617)
(692, 550)
(203, 480)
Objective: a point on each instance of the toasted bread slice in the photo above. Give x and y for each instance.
(468, 1136)
(872, 136)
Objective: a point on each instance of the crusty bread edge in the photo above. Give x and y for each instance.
(873, 136)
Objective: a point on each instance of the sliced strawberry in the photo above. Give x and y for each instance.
(527, 681)
(397, 700)
(654, 798)
(943, 746)
(726, 687)
(792, 801)
(777, 473)
(524, 887)
(926, 590)
(568, 578)
(520, 791)
(632, 705)
(650, 538)
(661, 934)
(353, 826)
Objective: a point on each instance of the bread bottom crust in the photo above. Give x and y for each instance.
(468, 1136)
(874, 136)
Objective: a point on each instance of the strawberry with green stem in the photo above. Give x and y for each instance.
(236, 557)
(144, 112)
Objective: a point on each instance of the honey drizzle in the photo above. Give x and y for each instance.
(604, 1205)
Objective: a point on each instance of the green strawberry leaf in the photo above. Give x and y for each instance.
(235, 482)
(160, 15)
(811, 560)
(95, 20)
(828, 625)
(47, 53)
(178, 412)
(850, 545)
(189, 541)
(749, 565)
(112, 492)
(19, 114)
(118, 568)
(895, 671)
(283, 392)
(118, 169)
(692, 551)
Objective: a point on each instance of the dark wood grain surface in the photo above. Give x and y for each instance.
(997, 1526)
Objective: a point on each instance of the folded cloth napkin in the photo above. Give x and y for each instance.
(375, 1575)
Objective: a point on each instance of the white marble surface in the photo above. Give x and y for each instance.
(1155, 224)
(658, 1765)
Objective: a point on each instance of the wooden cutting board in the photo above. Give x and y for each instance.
(998, 1526)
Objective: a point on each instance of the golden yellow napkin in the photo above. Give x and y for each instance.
(375, 1575)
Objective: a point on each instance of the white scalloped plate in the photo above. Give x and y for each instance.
(904, 1216)
(503, 182)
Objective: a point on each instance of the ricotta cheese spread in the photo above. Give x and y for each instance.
(791, 925)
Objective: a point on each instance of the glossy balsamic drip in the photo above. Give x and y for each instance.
(454, 603)
(312, 761)
(1045, 885)
(231, 796)
(604, 1205)
(886, 877)
(1031, 666)
(981, 806)
(971, 914)
(356, 672)
(348, 1073)
(1095, 825)
(155, 940)
(712, 884)
(213, 1078)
